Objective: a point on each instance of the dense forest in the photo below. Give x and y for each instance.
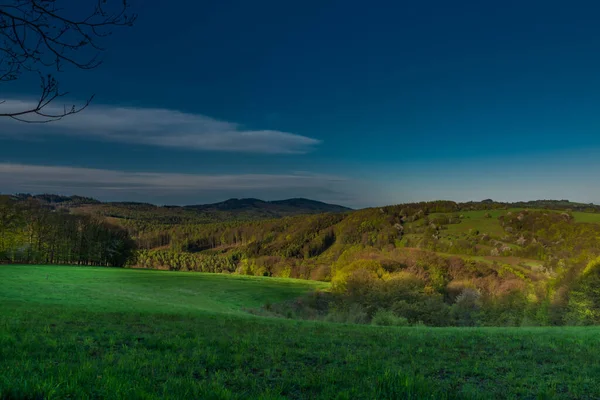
(436, 263)
(31, 232)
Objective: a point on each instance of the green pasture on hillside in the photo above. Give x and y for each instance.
(81, 333)
(593, 218)
(476, 220)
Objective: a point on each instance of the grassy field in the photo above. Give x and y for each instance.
(477, 220)
(586, 217)
(115, 289)
(68, 332)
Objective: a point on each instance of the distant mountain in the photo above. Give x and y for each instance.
(308, 204)
(232, 204)
(228, 210)
(289, 206)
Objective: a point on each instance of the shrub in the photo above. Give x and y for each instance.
(387, 318)
(429, 309)
(357, 285)
(584, 298)
(467, 308)
(374, 267)
(354, 314)
(321, 273)
(507, 308)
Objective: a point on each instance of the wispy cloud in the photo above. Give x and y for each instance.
(159, 127)
(168, 187)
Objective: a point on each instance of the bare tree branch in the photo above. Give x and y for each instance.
(41, 37)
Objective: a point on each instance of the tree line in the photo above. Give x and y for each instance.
(33, 233)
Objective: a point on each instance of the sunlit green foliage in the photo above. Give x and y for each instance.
(584, 298)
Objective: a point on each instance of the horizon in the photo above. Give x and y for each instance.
(333, 101)
(293, 198)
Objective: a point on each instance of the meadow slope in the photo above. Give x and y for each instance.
(69, 332)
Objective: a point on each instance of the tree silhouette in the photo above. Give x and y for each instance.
(44, 36)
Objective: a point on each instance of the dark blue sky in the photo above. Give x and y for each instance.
(360, 103)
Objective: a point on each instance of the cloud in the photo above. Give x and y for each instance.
(172, 188)
(158, 127)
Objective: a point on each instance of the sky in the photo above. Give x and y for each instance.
(350, 102)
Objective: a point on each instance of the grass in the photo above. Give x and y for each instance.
(115, 289)
(112, 334)
(476, 220)
(593, 218)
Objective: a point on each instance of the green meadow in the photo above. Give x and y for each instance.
(103, 333)
(481, 220)
(118, 290)
(593, 218)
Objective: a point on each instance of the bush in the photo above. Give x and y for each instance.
(372, 267)
(321, 273)
(354, 314)
(584, 299)
(430, 310)
(467, 308)
(388, 318)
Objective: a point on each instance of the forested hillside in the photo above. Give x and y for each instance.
(437, 263)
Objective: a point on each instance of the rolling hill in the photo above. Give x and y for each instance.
(529, 258)
(228, 210)
(84, 332)
(387, 275)
(270, 209)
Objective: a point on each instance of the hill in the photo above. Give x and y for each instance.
(255, 208)
(526, 259)
(386, 276)
(143, 213)
(115, 333)
(55, 199)
(439, 263)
